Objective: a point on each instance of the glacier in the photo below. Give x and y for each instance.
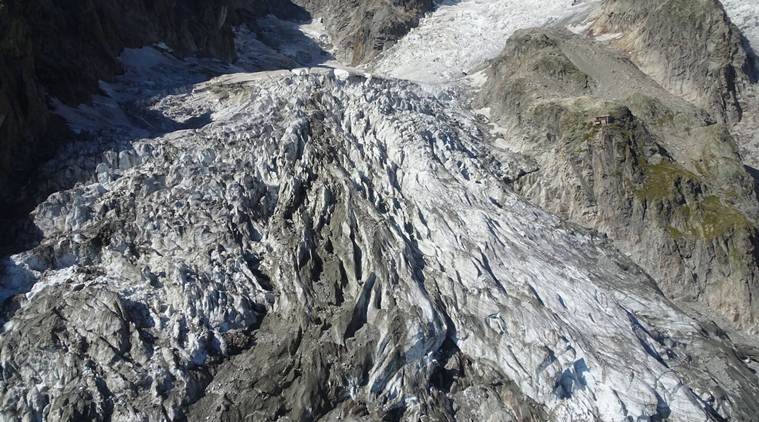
(258, 240)
(458, 36)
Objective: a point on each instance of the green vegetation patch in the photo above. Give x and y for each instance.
(582, 130)
(709, 219)
(716, 219)
(661, 180)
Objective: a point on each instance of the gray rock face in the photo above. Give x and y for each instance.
(690, 47)
(363, 28)
(660, 179)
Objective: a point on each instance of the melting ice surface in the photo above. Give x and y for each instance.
(459, 35)
(556, 310)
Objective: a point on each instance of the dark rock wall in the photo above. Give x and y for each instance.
(361, 29)
(62, 48)
(23, 110)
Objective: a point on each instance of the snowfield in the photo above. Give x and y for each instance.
(745, 15)
(460, 35)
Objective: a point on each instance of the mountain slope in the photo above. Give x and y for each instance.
(461, 35)
(743, 14)
(690, 47)
(368, 251)
(661, 179)
(361, 29)
(62, 51)
(328, 244)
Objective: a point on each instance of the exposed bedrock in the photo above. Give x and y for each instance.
(690, 47)
(361, 29)
(654, 173)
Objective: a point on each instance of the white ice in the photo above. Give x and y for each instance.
(745, 15)
(459, 35)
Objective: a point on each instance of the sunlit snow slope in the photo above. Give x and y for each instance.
(745, 15)
(460, 35)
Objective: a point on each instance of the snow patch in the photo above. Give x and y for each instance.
(458, 36)
(609, 37)
(341, 74)
(745, 15)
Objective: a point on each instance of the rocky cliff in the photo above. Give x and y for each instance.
(655, 173)
(23, 107)
(62, 50)
(363, 28)
(690, 47)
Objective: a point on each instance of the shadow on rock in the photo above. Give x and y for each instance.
(109, 123)
(754, 173)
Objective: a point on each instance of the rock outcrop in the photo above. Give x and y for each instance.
(688, 46)
(619, 154)
(363, 28)
(50, 49)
